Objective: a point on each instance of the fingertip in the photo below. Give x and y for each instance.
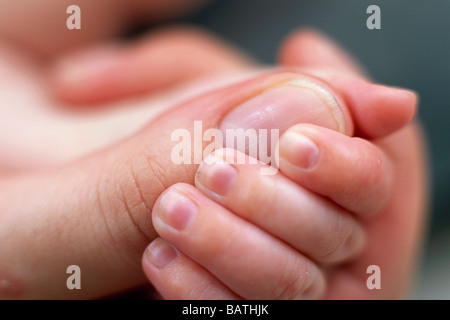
(405, 102)
(299, 149)
(159, 254)
(156, 262)
(377, 110)
(175, 276)
(388, 110)
(312, 48)
(299, 48)
(86, 77)
(287, 53)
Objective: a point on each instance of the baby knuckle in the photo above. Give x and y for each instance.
(337, 238)
(125, 201)
(296, 281)
(375, 180)
(372, 158)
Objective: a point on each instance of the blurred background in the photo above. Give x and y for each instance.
(412, 50)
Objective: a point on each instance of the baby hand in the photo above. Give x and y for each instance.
(241, 234)
(270, 238)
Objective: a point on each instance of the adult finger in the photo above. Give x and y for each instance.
(156, 62)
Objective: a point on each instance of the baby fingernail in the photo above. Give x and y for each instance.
(216, 175)
(176, 209)
(160, 253)
(299, 150)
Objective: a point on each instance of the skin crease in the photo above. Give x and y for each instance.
(395, 237)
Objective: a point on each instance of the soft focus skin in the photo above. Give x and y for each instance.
(39, 27)
(98, 118)
(96, 211)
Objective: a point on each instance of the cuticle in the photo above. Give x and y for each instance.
(326, 96)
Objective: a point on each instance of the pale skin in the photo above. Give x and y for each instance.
(96, 211)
